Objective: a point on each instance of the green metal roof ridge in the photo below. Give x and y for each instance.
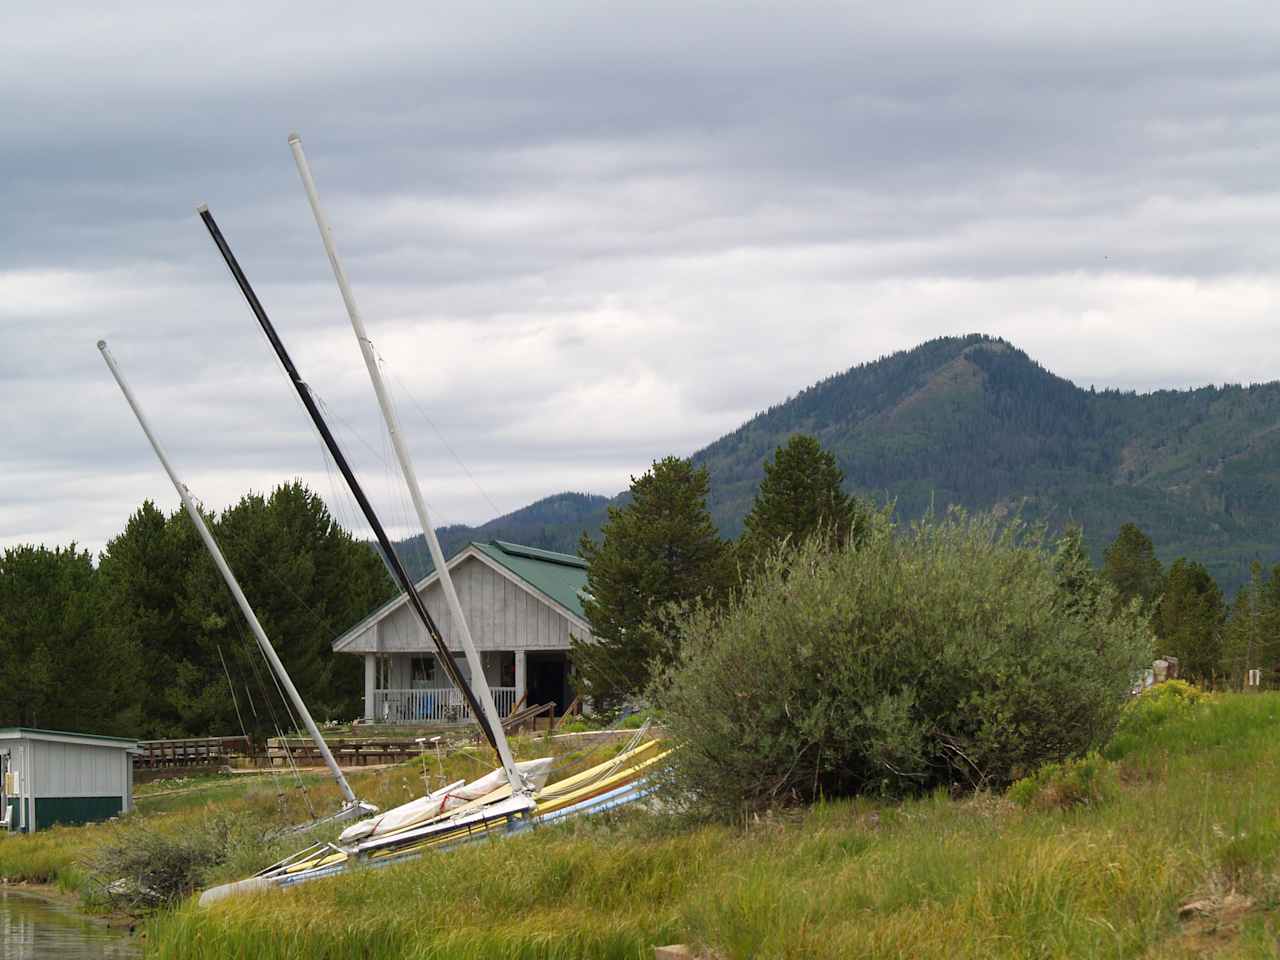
(67, 733)
(537, 553)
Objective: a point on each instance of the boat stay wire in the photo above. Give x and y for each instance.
(271, 712)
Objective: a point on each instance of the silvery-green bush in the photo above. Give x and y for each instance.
(962, 652)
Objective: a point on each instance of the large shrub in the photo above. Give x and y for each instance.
(961, 652)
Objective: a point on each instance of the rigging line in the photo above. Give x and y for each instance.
(336, 508)
(341, 509)
(231, 686)
(342, 422)
(275, 722)
(384, 458)
(406, 516)
(239, 716)
(319, 621)
(395, 486)
(275, 778)
(347, 429)
(497, 512)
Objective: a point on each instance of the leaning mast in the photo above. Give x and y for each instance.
(220, 562)
(406, 468)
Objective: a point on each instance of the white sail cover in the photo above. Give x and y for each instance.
(445, 799)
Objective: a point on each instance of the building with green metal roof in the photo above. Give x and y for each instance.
(522, 604)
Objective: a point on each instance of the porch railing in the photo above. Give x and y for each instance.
(436, 705)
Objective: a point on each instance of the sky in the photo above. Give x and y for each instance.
(584, 236)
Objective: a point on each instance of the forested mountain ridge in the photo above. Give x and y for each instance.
(974, 421)
(552, 523)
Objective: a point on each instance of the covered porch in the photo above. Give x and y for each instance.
(407, 688)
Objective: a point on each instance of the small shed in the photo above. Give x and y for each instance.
(50, 776)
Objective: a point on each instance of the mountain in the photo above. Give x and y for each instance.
(553, 523)
(974, 421)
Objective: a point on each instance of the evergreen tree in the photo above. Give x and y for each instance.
(54, 670)
(1251, 638)
(1130, 564)
(657, 553)
(307, 580)
(1189, 619)
(799, 496)
(140, 575)
(1080, 583)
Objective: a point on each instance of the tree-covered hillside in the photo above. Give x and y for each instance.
(974, 421)
(553, 523)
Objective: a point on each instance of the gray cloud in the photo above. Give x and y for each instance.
(587, 235)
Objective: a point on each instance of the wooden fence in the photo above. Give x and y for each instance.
(191, 752)
(348, 751)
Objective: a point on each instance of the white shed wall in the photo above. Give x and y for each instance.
(78, 770)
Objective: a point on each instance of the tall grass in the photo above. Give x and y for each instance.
(1194, 814)
(71, 857)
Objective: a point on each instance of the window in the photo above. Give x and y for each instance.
(424, 672)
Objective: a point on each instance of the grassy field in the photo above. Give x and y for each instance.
(250, 804)
(1191, 813)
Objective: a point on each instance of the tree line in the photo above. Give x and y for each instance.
(660, 557)
(148, 642)
(1215, 643)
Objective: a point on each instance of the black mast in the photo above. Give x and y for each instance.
(446, 658)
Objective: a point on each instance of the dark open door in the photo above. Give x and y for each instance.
(547, 677)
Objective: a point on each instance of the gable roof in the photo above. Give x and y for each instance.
(559, 577)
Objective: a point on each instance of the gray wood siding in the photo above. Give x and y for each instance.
(503, 615)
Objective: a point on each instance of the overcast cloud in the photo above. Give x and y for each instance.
(587, 235)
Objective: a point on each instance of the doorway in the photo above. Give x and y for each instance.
(547, 679)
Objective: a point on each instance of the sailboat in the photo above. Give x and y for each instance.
(515, 796)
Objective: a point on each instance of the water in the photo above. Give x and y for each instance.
(32, 928)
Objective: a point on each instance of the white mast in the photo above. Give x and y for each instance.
(221, 563)
(478, 680)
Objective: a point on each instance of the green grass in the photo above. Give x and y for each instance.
(1193, 814)
(65, 856)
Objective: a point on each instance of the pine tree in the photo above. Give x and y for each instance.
(307, 580)
(1189, 620)
(1079, 582)
(1251, 638)
(799, 496)
(658, 553)
(54, 670)
(1130, 564)
(140, 575)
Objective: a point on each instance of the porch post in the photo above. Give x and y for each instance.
(370, 683)
(520, 675)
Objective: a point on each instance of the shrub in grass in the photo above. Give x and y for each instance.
(1083, 781)
(1159, 704)
(635, 721)
(1153, 715)
(144, 868)
(960, 652)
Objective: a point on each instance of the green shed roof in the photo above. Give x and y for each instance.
(560, 576)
